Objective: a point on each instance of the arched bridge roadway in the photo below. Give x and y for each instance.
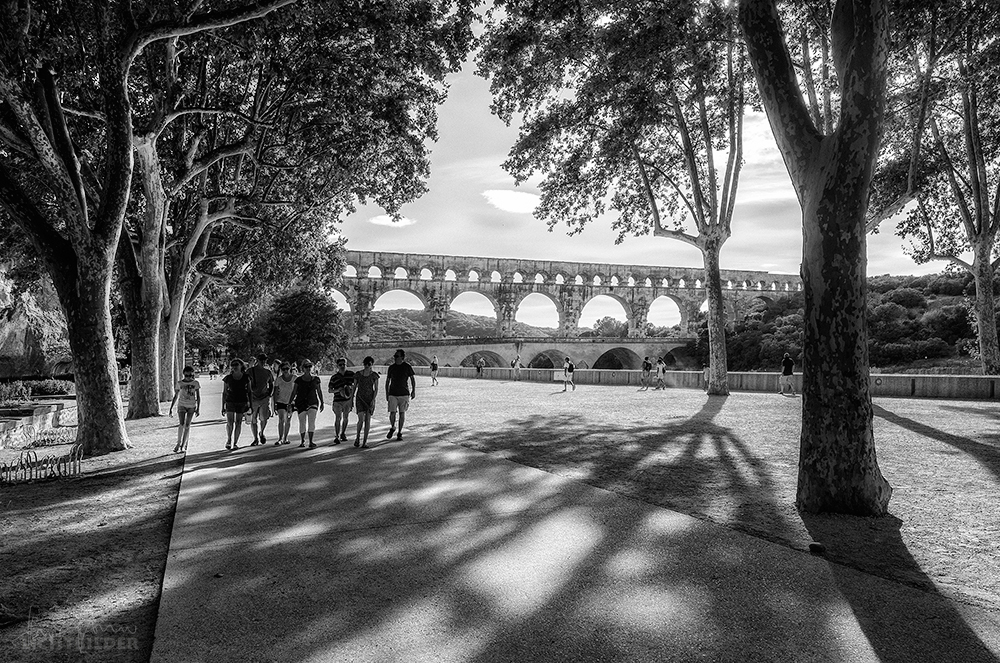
(612, 353)
(438, 279)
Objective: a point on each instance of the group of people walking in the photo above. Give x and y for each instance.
(255, 393)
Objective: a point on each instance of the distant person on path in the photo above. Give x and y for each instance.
(787, 366)
(661, 372)
(261, 388)
(516, 365)
(284, 385)
(480, 364)
(342, 387)
(647, 368)
(213, 370)
(235, 401)
(187, 396)
(400, 387)
(366, 388)
(568, 369)
(307, 398)
(434, 371)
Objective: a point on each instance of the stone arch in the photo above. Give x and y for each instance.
(374, 272)
(339, 294)
(426, 274)
(547, 359)
(419, 295)
(449, 275)
(619, 359)
(417, 359)
(656, 306)
(400, 273)
(475, 291)
(551, 298)
(492, 359)
(560, 279)
(517, 277)
(350, 271)
(496, 277)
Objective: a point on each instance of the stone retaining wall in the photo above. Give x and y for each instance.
(43, 417)
(967, 387)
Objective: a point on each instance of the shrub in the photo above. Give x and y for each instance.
(12, 393)
(50, 387)
(907, 298)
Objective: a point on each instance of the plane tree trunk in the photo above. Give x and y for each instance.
(838, 469)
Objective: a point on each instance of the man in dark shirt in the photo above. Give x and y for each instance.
(400, 387)
(342, 388)
(786, 374)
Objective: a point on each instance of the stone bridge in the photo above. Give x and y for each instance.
(607, 353)
(437, 280)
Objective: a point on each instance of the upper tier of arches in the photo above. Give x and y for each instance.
(470, 269)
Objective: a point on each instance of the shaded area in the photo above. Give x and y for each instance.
(84, 558)
(619, 359)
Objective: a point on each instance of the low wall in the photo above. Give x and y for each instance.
(43, 417)
(967, 387)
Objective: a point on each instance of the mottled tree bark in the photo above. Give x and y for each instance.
(838, 469)
(84, 289)
(718, 378)
(986, 312)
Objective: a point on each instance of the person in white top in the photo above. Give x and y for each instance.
(282, 396)
(187, 397)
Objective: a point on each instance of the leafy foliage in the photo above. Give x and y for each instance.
(304, 324)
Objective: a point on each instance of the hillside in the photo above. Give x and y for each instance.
(407, 324)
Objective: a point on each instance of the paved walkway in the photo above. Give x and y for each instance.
(422, 550)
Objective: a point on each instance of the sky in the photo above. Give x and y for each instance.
(473, 207)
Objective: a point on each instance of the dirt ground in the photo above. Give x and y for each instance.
(82, 560)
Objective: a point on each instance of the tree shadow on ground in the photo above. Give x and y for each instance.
(986, 452)
(708, 471)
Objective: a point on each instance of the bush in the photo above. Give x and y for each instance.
(13, 393)
(907, 298)
(50, 387)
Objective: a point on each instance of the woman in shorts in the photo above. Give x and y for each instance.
(235, 401)
(187, 397)
(434, 371)
(307, 398)
(366, 388)
(284, 384)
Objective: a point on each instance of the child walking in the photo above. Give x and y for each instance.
(366, 387)
(284, 385)
(187, 397)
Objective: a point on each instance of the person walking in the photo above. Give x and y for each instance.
(213, 370)
(647, 368)
(342, 387)
(434, 371)
(187, 396)
(400, 388)
(366, 388)
(516, 365)
(307, 398)
(480, 364)
(235, 401)
(284, 385)
(787, 369)
(661, 372)
(261, 388)
(568, 369)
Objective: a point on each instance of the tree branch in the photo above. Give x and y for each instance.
(199, 23)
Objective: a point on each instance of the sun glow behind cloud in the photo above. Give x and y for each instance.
(517, 202)
(386, 220)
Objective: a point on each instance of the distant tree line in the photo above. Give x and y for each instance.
(910, 320)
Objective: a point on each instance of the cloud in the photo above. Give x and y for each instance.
(386, 220)
(518, 202)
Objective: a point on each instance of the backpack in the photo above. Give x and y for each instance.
(571, 367)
